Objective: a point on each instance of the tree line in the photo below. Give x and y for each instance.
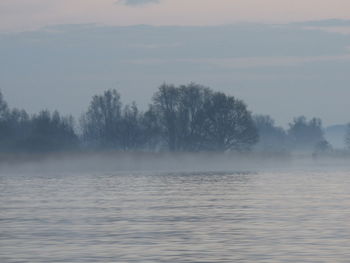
(185, 118)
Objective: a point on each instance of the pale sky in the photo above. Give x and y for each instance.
(28, 14)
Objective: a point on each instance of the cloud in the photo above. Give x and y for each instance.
(326, 23)
(138, 2)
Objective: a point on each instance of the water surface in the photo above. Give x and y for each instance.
(299, 216)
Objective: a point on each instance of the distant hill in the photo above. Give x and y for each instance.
(336, 135)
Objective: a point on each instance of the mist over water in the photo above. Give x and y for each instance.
(174, 208)
(144, 162)
(187, 140)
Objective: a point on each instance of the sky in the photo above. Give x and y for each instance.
(283, 58)
(29, 14)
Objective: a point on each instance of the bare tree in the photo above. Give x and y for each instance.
(347, 137)
(166, 104)
(305, 135)
(152, 130)
(4, 109)
(181, 114)
(193, 118)
(192, 101)
(101, 123)
(50, 132)
(131, 130)
(228, 125)
(271, 137)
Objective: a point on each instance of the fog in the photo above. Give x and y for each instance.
(96, 164)
(191, 142)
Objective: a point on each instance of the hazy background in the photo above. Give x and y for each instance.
(57, 54)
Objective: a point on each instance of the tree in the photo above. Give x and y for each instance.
(152, 131)
(305, 135)
(166, 104)
(4, 114)
(228, 125)
(50, 132)
(271, 138)
(192, 102)
(101, 123)
(193, 118)
(131, 131)
(347, 137)
(4, 109)
(184, 118)
(19, 127)
(13, 126)
(323, 147)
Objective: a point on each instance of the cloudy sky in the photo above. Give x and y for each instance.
(24, 14)
(284, 58)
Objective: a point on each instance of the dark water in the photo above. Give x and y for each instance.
(175, 217)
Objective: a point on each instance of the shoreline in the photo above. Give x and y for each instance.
(112, 161)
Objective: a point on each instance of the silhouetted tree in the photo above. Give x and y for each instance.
(4, 109)
(50, 132)
(132, 132)
(13, 126)
(152, 131)
(347, 137)
(19, 127)
(167, 103)
(192, 101)
(181, 118)
(323, 147)
(305, 135)
(193, 118)
(101, 123)
(4, 114)
(271, 138)
(228, 124)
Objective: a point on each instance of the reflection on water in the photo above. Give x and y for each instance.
(175, 217)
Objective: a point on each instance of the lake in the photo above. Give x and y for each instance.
(296, 215)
